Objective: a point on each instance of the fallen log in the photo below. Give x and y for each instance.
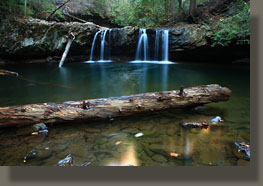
(70, 39)
(81, 20)
(52, 13)
(109, 108)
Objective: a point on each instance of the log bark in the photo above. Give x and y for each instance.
(108, 108)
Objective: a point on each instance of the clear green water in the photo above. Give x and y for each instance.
(113, 143)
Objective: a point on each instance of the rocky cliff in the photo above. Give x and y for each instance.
(35, 38)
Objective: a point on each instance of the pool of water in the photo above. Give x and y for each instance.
(113, 143)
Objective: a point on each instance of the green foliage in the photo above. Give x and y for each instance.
(35, 8)
(142, 13)
(42, 8)
(147, 13)
(14, 7)
(234, 28)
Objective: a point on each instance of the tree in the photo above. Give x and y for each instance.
(180, 4)
(25, 7)
(172, 4)
(192, 8)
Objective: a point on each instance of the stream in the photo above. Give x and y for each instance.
(113, 143)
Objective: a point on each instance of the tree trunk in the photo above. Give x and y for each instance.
(172, 8)
(192, 8)
(25, 7)
(180, 4)
(108, 108)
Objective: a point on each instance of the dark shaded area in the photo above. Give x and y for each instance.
(239, 53)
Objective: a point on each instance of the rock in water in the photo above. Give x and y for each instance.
(245, 147)
(45, 132)
(196, 125)
(217, 119)
(68, 161)
(39, 126)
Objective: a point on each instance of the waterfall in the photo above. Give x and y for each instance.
(143, 40)
(165, 45)
(164, 36)
(103, 50)
(156, 49)
(102, 46)
(109, 44)
(161, 47)
(93, 45)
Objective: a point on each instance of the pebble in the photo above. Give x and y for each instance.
(217, 119)
(138, 135)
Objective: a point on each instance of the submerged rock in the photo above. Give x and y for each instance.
(38, 155)
(39, 129)
(196, 125)
(44, 132)
(39, 126)
(159, 148)
(159, 158)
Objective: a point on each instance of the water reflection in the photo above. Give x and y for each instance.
(114, 79)
(164, 77)
(205, 131)
(187, 149)
(128, 157)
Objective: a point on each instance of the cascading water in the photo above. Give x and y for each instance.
(93, 45)
(162, 35)
(165, 45)
(102, 46)
(156, 49)
(103, 42)
(109, 45)
(143, 40)
(161, 47)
